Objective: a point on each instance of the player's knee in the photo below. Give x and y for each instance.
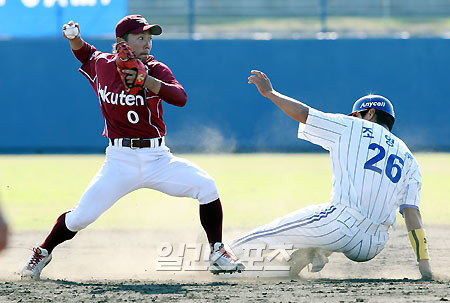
(208, 191)
(76, 221)
(360, 257)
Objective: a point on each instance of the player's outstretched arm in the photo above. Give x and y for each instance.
(291, 107)
(71, 31)
(418, 240)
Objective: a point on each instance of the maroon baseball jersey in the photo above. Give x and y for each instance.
(127, 115)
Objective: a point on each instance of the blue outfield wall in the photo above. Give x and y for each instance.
(49, 107)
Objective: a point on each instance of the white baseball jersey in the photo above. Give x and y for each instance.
(374, 173)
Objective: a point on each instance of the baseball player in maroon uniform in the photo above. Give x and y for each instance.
(137, 156)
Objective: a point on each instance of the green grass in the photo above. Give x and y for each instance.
(254, 188)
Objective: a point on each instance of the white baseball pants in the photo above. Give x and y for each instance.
(125, 170)
(331, 227)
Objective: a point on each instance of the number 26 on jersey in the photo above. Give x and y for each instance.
(393, 168)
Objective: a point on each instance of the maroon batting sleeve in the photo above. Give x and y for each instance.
(171, 90)
(84, 53)
(173, 94)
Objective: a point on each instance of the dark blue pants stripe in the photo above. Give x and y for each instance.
(287, 226)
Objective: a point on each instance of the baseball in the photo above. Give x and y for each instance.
(71, 31)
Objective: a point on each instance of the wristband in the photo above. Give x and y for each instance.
(419, 243)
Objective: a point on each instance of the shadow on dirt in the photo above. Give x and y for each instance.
(141, 287)
(352, 281)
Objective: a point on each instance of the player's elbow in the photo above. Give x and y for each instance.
(182, 100)
(173, 94)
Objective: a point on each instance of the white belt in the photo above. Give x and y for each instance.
(366, 225)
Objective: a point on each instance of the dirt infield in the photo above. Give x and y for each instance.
(120, 266)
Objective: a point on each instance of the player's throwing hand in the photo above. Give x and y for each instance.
(262, 82)
(71, 30)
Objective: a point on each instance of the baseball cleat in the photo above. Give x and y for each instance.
(38, 260)
(318, 262)
(221, 261)
(299, 260)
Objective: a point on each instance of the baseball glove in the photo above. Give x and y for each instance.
(127, 60)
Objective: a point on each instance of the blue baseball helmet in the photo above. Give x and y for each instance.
(373, 101)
